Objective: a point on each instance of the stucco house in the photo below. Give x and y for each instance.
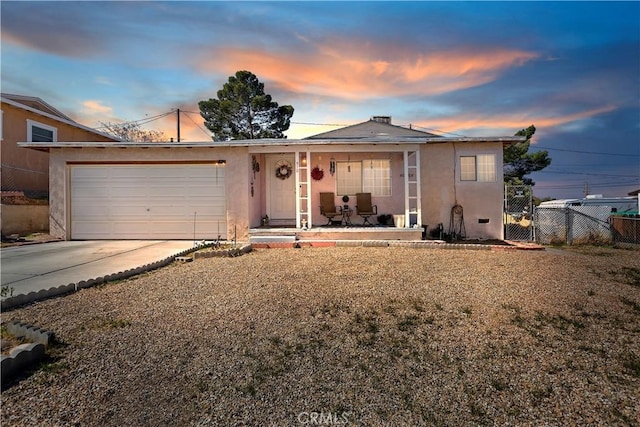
(202, 190)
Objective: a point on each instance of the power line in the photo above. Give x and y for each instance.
(588, 173)
(142, 121)
(581, 185)
(438, 130)
(318, 124)
(197, 125)
(588, 152)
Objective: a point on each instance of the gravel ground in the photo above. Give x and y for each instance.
(350, 336)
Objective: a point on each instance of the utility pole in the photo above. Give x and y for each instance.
(178, 111)
(586, 189)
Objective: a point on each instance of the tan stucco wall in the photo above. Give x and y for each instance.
(480, 200)
(237, 179)
(24, 219)
(14, 130)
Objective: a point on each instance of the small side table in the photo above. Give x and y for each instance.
(346, 216)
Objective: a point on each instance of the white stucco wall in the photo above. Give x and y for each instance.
(237, 179)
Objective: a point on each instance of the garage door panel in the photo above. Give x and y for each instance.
(147, 201)
(89, 226)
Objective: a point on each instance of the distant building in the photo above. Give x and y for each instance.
(617, 204)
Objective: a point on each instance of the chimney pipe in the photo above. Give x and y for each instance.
(382, 119)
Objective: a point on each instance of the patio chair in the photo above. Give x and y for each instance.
(364, 208)
(328, 207)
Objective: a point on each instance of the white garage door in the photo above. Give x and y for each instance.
(148, 201)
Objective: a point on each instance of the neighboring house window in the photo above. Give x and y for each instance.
(480, 168)
(369, 176)
(39, 132)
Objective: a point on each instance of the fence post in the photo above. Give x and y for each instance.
(569, 226)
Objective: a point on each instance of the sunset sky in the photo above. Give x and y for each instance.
(454, 68)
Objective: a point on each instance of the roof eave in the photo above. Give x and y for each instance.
(506, 141)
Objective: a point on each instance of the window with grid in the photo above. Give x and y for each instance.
(486, 167)
(376, 177)
(481, 168)
(370, 176)
(467, 168)
(348, 178)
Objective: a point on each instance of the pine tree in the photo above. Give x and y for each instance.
(243, 110)
(518, 162)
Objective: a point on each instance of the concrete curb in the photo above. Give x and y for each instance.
(20, 358)
(24, 355)
(233, 252)
(425, 244)
(31, 333)
(31, 297)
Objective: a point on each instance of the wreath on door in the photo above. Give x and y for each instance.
(283, 169)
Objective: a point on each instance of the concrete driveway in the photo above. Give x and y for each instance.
(46, 265)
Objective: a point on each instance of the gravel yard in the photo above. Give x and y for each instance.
(355, 336)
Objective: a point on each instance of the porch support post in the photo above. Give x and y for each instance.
(297, 175)
(412, 191)
(418, 190)
(307, 196)
(407, 202)
(303, 189)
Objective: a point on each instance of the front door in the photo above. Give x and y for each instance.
(281, 189)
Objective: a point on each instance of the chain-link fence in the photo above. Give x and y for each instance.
(517, 213)
(573, 225)
(626, 228)
(31, 183)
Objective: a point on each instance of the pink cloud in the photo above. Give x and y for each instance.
(363, 72)
(96, 107)
(511, 123)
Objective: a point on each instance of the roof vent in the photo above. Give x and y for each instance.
(382, 119)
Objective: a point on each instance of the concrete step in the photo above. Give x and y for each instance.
(272, 239)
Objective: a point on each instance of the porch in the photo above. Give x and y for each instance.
(286, 183)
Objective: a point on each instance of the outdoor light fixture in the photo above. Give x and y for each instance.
(332, 166)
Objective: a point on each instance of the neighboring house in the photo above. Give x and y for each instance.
(30, 119)
(202, 190)
(25, 172)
